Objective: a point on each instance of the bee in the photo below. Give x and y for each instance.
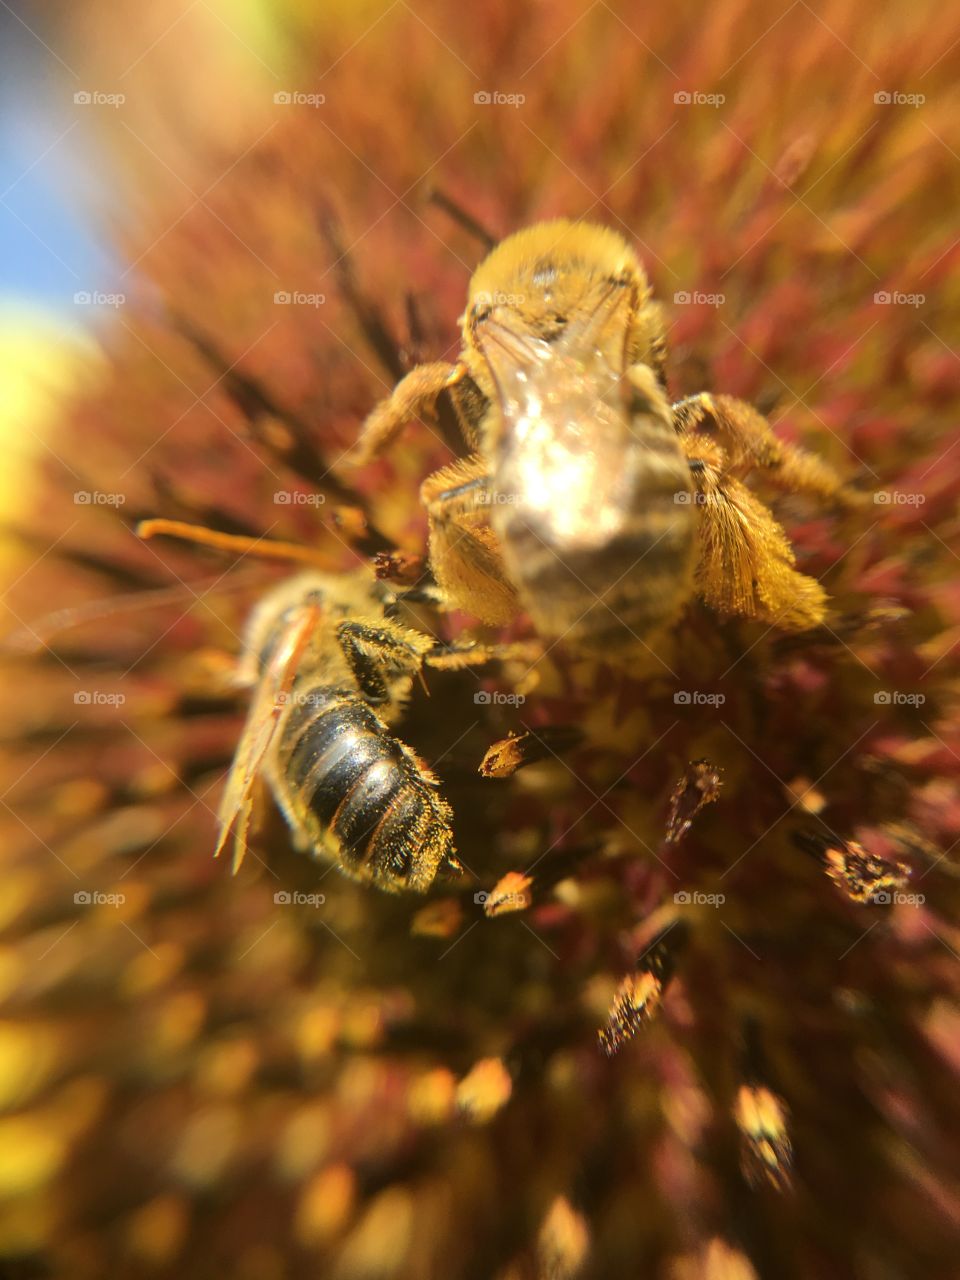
(330, 672)
(588, 499)
(330, 669)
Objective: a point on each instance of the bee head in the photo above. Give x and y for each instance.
(558, 280)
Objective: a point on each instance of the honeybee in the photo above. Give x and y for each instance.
(331, 670)
(588, 499)
(330, 673)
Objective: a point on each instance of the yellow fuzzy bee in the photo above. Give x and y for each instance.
(588, 500)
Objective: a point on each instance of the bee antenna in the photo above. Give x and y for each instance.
(262, 547)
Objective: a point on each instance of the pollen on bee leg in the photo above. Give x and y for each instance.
(402, 567)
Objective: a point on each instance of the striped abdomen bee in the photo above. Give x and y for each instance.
(588, 499)
(330, 672)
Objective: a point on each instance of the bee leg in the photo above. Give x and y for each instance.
(464, 551)
(749, 442)
(423, 593)
(414, 396)
(745, 563)
(376, 650)
(456, 657)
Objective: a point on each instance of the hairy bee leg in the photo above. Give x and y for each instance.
(648, 395)
(375, 649)
(414, 396)
(456, 657)
(464, 551)
(749, 440)
(745, 563)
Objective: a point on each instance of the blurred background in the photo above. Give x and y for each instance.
(224, 235)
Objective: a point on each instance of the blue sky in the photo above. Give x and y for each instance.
(49, 245)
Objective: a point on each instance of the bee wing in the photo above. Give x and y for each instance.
(580, 467)
(263, 719)
(592, 340)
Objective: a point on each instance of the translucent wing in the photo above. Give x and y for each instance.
(578, 458)
(269, 702)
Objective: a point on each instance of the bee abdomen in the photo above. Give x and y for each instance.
(359, 795)
(609, 596)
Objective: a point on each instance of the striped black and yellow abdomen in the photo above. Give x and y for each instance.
(356, 795)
